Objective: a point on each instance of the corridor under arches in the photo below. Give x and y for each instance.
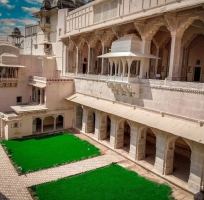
(108, 128)
(59, 122)
(123, 136)
(48, 124)
(150, 147)
(91, 122)
(37, 124)
(181, 160)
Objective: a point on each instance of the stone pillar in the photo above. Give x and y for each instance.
(42, 119)
(124, 63)
(102, 60)
(144, 66)
(111, 66)
(141, 143)
(119, 64)
(175, 56)
(77, 59)
(97, 124)
(103, 127)
(133, 140)
(64, 59)
(36, 95)
(129, 65)
(84, 119)
(197, 168)
(41, 96)
(113, 131)
(161, 141)
(119, 142)
(157, 61)
(89, 58)
(105, 62)
(55, 118)
(70, 61)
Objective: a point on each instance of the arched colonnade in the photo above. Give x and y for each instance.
(166, 153)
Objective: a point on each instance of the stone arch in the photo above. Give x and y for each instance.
(123, 134)
(146, 148)
(90, 123)
(79, 117)
(105, 127)
(48, 124)
(60, 122)
(178, 152)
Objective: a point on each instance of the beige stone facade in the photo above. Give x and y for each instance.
(149, 104)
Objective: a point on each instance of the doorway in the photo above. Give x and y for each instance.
(84, 69)
(197, 72)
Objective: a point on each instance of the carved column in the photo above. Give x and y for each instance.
(97, 124)
(197, 168)
(42, 120)
(113, 131)
(161, 142)
(133, 140)
(157, 61)
(175, 56)
(55, 118)
(84, 119)
(144, 66)
(111, 66)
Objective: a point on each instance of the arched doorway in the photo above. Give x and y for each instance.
(150, 148)
(123, 136)
(178, 159)
(90, 126)
(48, 124)
(59, 122)
(37, 124)
(79, 117)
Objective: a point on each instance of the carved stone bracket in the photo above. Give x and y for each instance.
(148, 28)
(124, 89)
(105, 37)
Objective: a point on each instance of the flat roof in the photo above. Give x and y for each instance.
(28, 108)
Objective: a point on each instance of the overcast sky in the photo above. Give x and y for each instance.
(17, 13)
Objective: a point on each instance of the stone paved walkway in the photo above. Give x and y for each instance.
(13, 187)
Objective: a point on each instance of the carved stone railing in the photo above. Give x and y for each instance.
(101, 12)
(44, 80)
(8, 82)
(87, 76)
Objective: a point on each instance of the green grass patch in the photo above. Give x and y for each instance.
(48, 151)
(109, 183)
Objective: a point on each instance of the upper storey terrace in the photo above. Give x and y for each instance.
(102, 13)
(172, 31)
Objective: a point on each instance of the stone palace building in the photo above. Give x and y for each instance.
(129, 73)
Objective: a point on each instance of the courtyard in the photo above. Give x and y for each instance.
(14, 186)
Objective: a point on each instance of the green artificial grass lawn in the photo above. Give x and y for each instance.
(109, 183)
(47, 151)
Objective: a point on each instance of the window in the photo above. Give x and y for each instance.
(19, 99)
(15, 125)
(47, 20)
(59, 31)
(197, 62)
